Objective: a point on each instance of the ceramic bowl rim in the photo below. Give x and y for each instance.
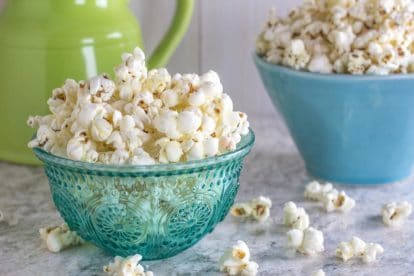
(243, 148)
(318, 76)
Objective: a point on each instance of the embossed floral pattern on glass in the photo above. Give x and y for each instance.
(156, 211)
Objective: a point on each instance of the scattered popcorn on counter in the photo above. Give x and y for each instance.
(316, 191)
(258, 209)
(295, 217)
(394, 214)
(358, 248)
(334, 201)
(320, 272)
(346, 37)
(309, 241)
(59, 237)
(236, 261)
(128, 266)
(141, 117)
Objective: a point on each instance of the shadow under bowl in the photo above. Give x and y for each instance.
(154, 210)
(348, 129)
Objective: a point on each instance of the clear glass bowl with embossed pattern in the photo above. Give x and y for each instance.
(155, 210)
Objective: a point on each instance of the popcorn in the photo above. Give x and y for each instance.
(59, 238)
(319, 272)
(308, 241)
(358, 62)
(101, 88)
(334, 201)
(128, 266)
(342, 39)
(236, 261)
(257, 209)
(261, 208)
(101, 129)
(170, 98)
(241, 210)
(358, 248)
(346, 37)
(316, 191)
(188, 122)
(347, 250)
(141, 157)
(210, 146)
(320, 64)
(295, 217)
(171, 151)
(394, 214)
(79, 148)
(141, 117)
(296, 55)
(371, 252)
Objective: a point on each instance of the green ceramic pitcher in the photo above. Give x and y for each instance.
(43, 42)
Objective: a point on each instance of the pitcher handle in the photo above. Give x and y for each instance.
(174, 35)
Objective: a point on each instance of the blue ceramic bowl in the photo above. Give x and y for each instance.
(156, 210)
(348, 129)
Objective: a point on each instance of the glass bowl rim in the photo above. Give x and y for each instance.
(243, 148)
(333, 76)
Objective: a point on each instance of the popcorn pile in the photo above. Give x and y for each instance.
(332, 199)
(236, 261)
(141, 117)
(394, 214)
(128, 266)
(342, 36)
(258, 209)
(358, 248)
(59, 237)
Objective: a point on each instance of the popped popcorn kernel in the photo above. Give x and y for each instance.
(334, 201)
(309, 241)
(241, 210)
(236, 261)
(316, 191)
(394, 214)
(345, 37)
(141, 117)
(59, 237)
(257, 209)
(367, 252)
(371, 252)
(295, 217)
(128, 266)
(261, 208)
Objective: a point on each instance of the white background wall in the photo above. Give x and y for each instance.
(221, 38)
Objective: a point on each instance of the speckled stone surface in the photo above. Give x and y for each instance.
(274, 169)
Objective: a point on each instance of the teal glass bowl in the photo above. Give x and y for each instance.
(154, 210)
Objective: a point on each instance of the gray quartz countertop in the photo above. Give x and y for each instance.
(273, 168)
